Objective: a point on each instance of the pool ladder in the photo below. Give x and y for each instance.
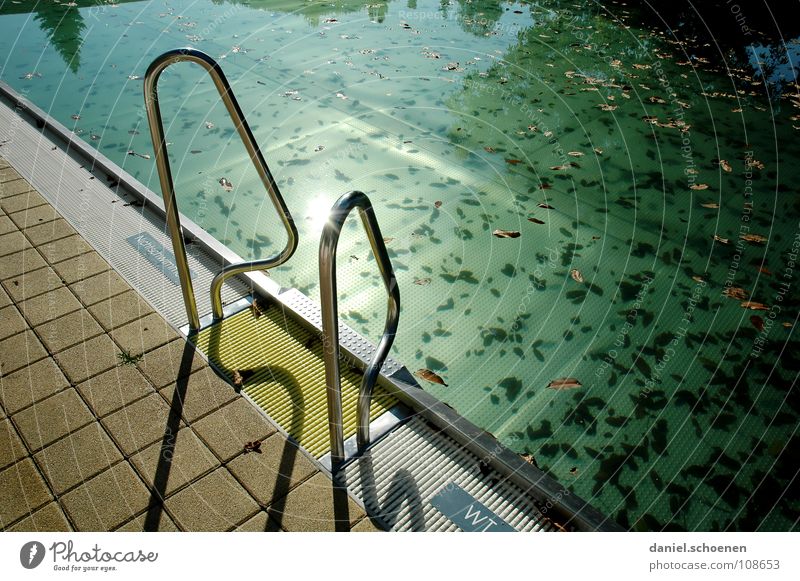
(327, 250)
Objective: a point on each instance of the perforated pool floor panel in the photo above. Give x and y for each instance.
(283, 372)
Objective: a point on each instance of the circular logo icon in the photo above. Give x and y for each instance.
(31, 554)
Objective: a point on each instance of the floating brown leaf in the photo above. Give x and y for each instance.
(529, 459)
(437, 204)
(429, 375)
(754, 306)
(764, 270)
(606, 107)
(226, 184)
(545, 206)
(735, 292)
(721, 240)
(754, 238)
(513, 161)
(698, 187)
(576, 275)
(489, 149)
(575, 153)
(422, 281)
(565, 383)
(725, 165)
(698, 278)
(710, 205)
(757, 322)
(506, 233)
(535, 220)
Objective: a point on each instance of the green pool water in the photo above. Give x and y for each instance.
(462, 118)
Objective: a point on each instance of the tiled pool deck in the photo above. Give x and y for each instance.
(89, 442)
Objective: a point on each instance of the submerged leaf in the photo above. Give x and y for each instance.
(754, 306)
(506, 233)
(565, 383)
(429, 375)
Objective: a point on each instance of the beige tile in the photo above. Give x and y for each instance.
(141, 524)
(81, 267)
(4, 300)
(49, 306)
(11, 322)
(145, 334)
(6, 225)
(165, 365)
(11, 447)
(77, 457)
(107, 500)
(228, 429)
(19, 351)
(99, 287)
(54, 230)
(316, 505)
(270, 475)
(139, 424)
(31, 384)
(89, 358)
(20, 262)
(13, 242)
(258, 524)
(52, 418)
(22, 491)
(69, 330)
(117, 387)
(11, 204)
(64, 249)
(216, 502)
(120, 310)
(8, 173)
(32, 283)
(49, 518)
(366, 525)
(167, 466)
(34, 216)
(199, 394)
(14, 188)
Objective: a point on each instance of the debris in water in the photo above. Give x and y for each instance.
(698, 187)
(226, 185)
(565, 383)
(757, 322)
(576, 275)
(429, 375)
(536, 220)
(142, 155)
(422, 281)
(209, 125)
(506, 233)
(437, 204)
(754, 238)
(754, 306)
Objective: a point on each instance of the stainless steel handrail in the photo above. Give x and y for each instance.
(330, 319)
(168, 189)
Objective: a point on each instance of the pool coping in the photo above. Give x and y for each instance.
(549, 492)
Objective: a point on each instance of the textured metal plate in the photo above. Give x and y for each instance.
(397, 487)
(283, 372)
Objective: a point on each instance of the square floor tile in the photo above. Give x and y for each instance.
(49, 306)
(19, 351)
(69, 330)
(140, 424)
(107, 500)
(166, 364)
(78, 457)
(52, 418)
(22, 491)
(216, 502)
(89, 358)
(228, 429)
(31, 384)
(99, 287)
(199, 394)
(115, 388)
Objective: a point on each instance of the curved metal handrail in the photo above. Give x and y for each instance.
(330, 319)
(168, 189)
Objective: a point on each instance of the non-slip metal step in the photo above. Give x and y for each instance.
(282, 370)
(418, 479)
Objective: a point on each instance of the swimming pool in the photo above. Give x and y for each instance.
(551, 121)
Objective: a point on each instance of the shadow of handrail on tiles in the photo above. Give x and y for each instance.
(155, 507)
(402, 484)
